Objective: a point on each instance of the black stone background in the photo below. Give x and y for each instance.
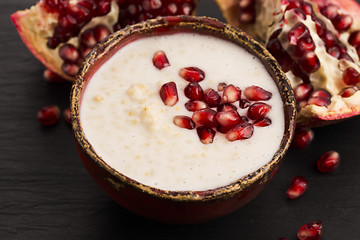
(46, 193)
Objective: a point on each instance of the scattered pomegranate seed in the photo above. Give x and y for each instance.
(193, 106)
(351, 76)
(48, 115)
(320, 98)
(50, 76)
(328, 162)
(205, 117)
(192, 74)
(244, 103)
(193, 91)
(303, 91)
(297, 187)
(184, 122)
(67, 115)
(212, 98)
(349, 91)
(302, 138)
(69, 53)
(258, 110)
(226, 107)
(168, 94)
(240, 132)
(255, 93)
(231, 94)
(206, 135)
(310, 231)
(262, 122)
(160, 60)
(228, 119)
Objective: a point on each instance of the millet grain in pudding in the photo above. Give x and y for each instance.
(125, 120)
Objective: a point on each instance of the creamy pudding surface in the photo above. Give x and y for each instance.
(130, 128)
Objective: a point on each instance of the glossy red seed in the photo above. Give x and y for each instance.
(310, 62)
(87, 38)
(354, 38)
(192, 74)
(103, 8)
(328, 162)
(70, 69)
(258, 110)
(307, 8)
(67, 115)
(211, 97)
(331, 11)
(221, 86)
(101, 32)
(304, 45)
(160, 60)
(329, 39)
(80, 13)
(342, 22)
(169, 94)
(193, 91)
(255, 93)
(205, 117)
(311, 231)
(298, 31)
(231, 94)
(53, 42)
(206, 135)
(66, 22)
(84, 51)
(243, 103)
(50, 76)
(303, 91)
(193, 106)
(297, 187)
(69, 53)
(48, 115)
(351, 76)
(262, 122)
(240, 132)
(302, 138)
(228, 119)
(320, 26)
(226, 107)
(334, 51)
(349, 91)
(320, 97)
(293, 4)
(184, 122)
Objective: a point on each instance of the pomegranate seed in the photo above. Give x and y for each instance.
(302, 138)
(212, 98)
(346, 56)
(231, 94)
(228, 119)
(192, 74)
(310, 62)
(262, 122)
(255, 93)
(334, 51)
(103, 8)
(50, 76)
(53, 42)
(194, 91)
(206, 135)
(48, 115)
(304, 45)
(66, 22)
(205, 117)
(300, 13)
(329, 39)
(101, 32)
(342, 22)
(330, 11)
(168, 94)
(240, 132)
(84, 51)
(87, 38)
(354, 38)
(320, 26)
(307, 8)
(310, 231)
(299, 73)
(349, 91)
(67, 115)
(80, 13)
(303, 91)
(320, 98)
(297, 32)
(258, 110)
(221, 87)
(70, 69)
(226, 107)
(351, 76)
(160, 60)
(69, 53)
(297, 187)
(244, 103)
(293, 4)
(193, 106)
(184, 122)
(328, 162)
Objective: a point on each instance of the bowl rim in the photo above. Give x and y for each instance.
(206, 25)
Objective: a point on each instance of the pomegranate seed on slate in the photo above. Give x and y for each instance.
(69, 53)
(354, 38)
(351, 76)
(184, 122)
(320, 98)
(67, 115)
(212, 98)
(206, 135)
(193, 106)
(258, 110)
(193, 91)
(192, 74)
(310, 231)
(342, 22)
(48, 115)
(226, 107)
(303, 91)
(205, 117)
(228, 119)
(231, 94)
(244, 103)
(262, 122)
(50, 76)
(160, 60)
(168, 94)
(349, 91)
(240, 132)
(297, 187)
(255, 93)
(328, 162)
(302, 138)
(221, 87)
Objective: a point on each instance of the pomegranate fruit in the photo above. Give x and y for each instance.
(61, 33)
(317, 44)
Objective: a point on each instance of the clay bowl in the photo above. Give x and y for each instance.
(178, 206)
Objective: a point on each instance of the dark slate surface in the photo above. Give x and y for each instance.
(45, 193)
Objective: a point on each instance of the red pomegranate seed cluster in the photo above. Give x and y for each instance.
(50, 115)
(215, 110)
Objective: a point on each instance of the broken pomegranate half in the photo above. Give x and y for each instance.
(60, 34)
(317, 44)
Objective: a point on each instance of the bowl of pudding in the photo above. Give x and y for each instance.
(182, 119)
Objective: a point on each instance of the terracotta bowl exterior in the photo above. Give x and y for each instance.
(178, 206)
